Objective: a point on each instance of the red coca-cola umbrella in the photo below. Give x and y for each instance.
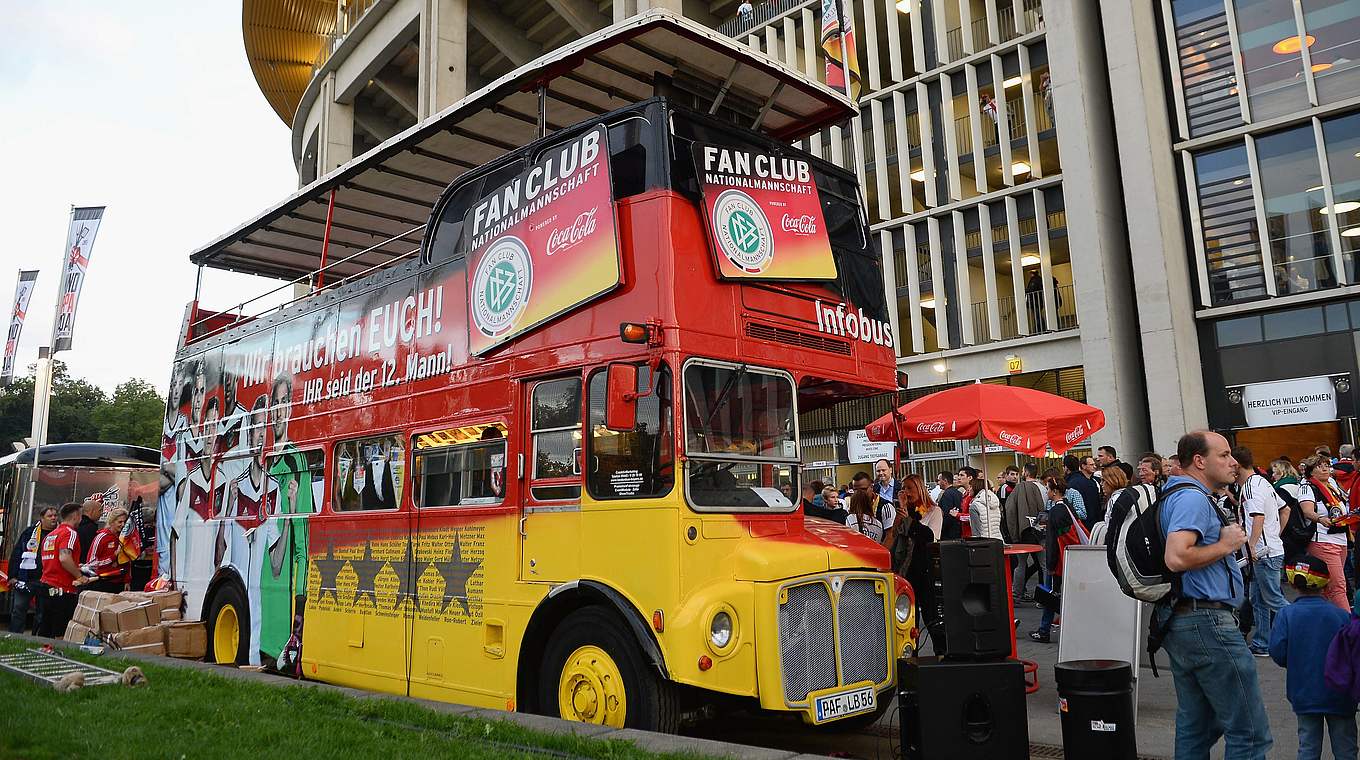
(1018, 418)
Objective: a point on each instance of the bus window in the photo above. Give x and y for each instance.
(638, 463)
(301, 476)
(368, 474)
(556, 430)
(446, 243)
(464, 474)
(740, 437)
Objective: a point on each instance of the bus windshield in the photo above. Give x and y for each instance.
(740, 438)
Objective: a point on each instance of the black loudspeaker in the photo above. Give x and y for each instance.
(962, 710)
(970, 596)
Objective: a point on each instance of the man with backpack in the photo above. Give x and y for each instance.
(1216, 685)
(1266, 512)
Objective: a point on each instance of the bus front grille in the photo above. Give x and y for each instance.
(819, 630)
(807, 641)
(859, 611)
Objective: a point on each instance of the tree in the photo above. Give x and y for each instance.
(133, 415)
(80, 411)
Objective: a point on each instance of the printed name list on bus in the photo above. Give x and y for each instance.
(542, 243)
(764, 215)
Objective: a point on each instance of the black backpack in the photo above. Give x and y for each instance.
(1297, 532)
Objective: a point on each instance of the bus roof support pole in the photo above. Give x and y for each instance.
(765, 109)
(325, 242)
(543, 110)
(722, 91)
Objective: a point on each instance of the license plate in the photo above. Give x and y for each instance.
(844, 704)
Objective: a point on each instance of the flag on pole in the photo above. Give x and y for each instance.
(79, 246)
(23, 292)
(832, 34)
(130, 538)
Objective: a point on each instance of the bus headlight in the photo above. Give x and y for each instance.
(720, 630)
(903, 609)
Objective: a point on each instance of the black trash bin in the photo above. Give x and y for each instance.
(1095, 699)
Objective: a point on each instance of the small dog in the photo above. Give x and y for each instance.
(70, 682)
(134, 676)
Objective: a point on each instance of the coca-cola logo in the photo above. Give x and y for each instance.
(563, 238)
(930, 427)
(1013, 439)
(1077, 433)
(799, 225)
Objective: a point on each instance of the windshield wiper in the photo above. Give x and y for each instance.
(723, 395)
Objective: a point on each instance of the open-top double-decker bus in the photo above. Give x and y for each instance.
(548, 460)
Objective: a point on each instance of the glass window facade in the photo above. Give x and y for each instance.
(1230, 237)
(1335, 54)
(1272, 59)
(1208, 77)
(1295, 213)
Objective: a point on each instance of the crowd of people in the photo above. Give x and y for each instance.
(68, 550)
(1238, 534)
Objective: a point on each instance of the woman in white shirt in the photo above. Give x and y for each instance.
(862, 517)
(984, 511)
(1322, 502)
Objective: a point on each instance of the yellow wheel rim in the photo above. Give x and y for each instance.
(591, 689)
(226, 636)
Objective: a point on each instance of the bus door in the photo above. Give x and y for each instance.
(550, 471)
(356, 629)
(463, 553)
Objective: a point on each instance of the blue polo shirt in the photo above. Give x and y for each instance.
(1190, 509)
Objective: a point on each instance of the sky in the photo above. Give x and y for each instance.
(148, 108)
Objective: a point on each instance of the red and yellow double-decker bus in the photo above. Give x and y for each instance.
(549, 461)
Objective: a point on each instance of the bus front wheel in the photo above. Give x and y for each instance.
(594, 672)
(229, 627)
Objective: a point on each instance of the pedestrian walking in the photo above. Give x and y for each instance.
(745, 11)
(1215, 674)
(1064, 529)
(1079, 476)
(883, 510)
(884, 483)
(943, 481)
(1266, 512)
(1322, 503)
(1023, 508)
(25, 570)
(862, 517)
(1300, 643)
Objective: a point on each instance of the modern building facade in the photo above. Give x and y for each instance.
(1252, 114)
(1126, 203)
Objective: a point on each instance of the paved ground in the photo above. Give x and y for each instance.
(1156, 715)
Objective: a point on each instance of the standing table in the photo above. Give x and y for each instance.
(1031, 667)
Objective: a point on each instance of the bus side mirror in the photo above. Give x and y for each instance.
(621, 395)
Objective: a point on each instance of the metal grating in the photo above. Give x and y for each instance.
(48, 668)
(861, 618)
(786, 336)
(806, 639)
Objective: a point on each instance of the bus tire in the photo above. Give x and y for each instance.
(229, 627)
(594, 672)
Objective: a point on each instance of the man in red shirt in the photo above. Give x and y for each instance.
(61, 574)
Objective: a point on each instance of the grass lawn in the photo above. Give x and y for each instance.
(189, 714)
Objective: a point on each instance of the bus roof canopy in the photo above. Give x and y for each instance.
(383, 198)
(87, 455)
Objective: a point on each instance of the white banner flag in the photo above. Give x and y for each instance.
(22, 293)
(79, 246)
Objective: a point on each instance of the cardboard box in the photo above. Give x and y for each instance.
(76, 633)
(188, 640)
(125, 616)
(89, 607)
(156, 648)
(138, 637)
(134, 596)
(170, 616)
(167, 600)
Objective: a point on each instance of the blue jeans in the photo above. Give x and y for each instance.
(18, 610)
(1217, 693)
(1046, 621)
(1340, 727)
(1266, 598)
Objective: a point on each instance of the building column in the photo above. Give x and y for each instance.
(1095, 223)
(443, 55)
(1156, 227)
(335, 143)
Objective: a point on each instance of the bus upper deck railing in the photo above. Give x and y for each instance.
(309, 278)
